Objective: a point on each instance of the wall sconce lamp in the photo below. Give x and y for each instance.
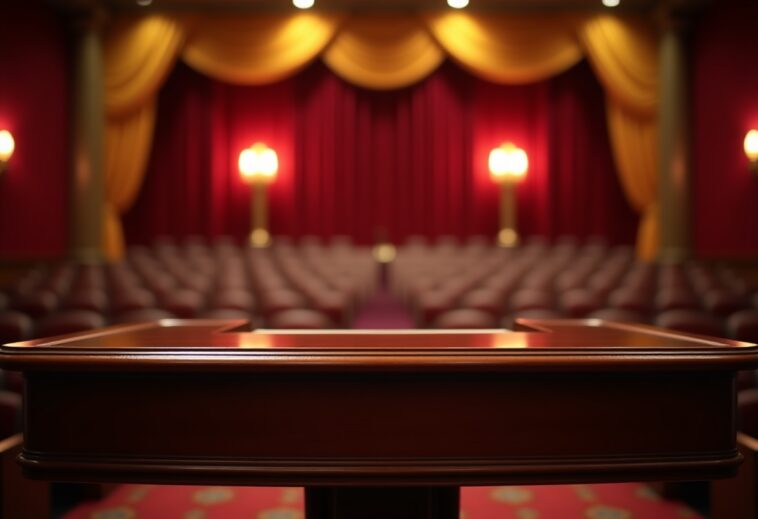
(751, 149)
(7, 145)
(258, 166)
(508, 166)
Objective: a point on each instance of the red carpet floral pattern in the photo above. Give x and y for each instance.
(609, 501)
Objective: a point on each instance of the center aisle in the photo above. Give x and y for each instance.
(383, 312)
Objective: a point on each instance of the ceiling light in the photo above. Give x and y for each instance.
(611, 3)
(457, 4)
(303, 4)
(144, 3)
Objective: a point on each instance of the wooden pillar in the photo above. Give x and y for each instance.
(87, 185)
(675, 165)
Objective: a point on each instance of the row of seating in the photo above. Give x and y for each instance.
(474, 286)
(286, 287)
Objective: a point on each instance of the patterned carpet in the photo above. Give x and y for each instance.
(608, 501)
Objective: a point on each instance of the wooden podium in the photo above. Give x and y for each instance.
(378, 424)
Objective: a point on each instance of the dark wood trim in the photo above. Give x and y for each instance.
(558, 401)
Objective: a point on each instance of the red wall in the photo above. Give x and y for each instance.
(725, 197)
(33, 98)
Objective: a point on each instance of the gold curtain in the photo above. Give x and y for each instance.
(512, 49)
(634, 144)
(623, 53)
(139, 53)
(260, 49)
(127, 144)
(383, 52)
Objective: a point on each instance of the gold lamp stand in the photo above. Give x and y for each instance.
(258, 166)
(508, 166)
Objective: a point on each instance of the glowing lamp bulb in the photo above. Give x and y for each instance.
(751, 145)
(258, 163)
(457, 4)
(303, 4)
(7, 145)
(508, 163)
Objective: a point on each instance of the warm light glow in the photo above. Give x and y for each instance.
(303, 4)
(254, 341)
(611, 3)
(144, 3)
(508, 163)
(510, 341)
(385, 253)
(457, 4)
(258, 163)
(751, 145)
(7, 145)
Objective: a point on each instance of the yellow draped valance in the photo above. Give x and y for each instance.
(511, 50)
(383, 52)
(139, 53)
(257, 50)
(380, 53)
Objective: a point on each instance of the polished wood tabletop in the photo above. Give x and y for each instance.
(209, 401)
(191, 344)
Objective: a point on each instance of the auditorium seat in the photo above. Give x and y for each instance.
(619, 315)
(484, 299)
(142, 315)
(465, 318)
(530, 299)
(722, 303)
(579, 302)
(127, 300)
(631, 299)
(298, 319)
(431, 303)
(690, 321)
(676, 298)
(69, 321)
(15, 326)
(334, 304)
(233, 299)
(743, 326)
(93, 299)
(183, 303)
(227, 313)
(37, 304)
(278, 300)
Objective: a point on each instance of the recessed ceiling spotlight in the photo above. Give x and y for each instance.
(144, 3)
(457, 4)
(611, 3)
(303, 4)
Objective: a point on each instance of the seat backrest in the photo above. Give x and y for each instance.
(690, 321)
(15, 326)
(465, 318)
(743, 326)
(69, 321)
(298, 319)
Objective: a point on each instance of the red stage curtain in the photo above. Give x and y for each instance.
(192, 185)
(360, 163)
